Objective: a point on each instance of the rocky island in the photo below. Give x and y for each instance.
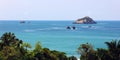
(85, 20)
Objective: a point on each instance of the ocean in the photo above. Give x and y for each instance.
(55, 36)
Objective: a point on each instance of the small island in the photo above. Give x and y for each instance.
(85, 20)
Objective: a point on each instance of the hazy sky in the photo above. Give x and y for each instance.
(59, 9)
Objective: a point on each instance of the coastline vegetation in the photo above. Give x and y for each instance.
(12, 48)
(111, 53)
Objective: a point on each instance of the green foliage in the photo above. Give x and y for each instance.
(11, 48)
(72, 58)
(87, 52)
(60, 55)
(112, 53)
(47, 54)
(38, 48)
(114, 49)
(9, 53)
(103, 54)
(26, 46)
(9, 39)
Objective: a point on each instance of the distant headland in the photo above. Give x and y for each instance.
(85, 20)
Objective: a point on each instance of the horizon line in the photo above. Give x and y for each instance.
(52, 20)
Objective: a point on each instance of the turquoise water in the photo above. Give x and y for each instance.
(54, 35)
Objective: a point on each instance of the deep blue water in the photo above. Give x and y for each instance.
(54, 35)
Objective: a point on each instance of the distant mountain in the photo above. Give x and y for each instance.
(85, 20)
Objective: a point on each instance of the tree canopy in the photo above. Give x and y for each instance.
(12, 48)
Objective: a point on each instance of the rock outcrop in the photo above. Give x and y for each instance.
(85, 20)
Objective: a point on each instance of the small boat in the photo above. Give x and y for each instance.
(22, 21)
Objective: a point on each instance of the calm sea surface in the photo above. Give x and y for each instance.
(54, 35)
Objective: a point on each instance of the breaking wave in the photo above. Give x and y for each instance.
(29, 30)
(44, 29)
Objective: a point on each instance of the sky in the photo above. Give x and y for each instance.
(59, 9)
